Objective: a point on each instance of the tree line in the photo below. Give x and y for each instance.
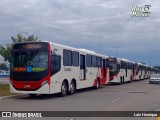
(5, 51)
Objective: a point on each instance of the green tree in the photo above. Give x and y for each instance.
(3, 66)
(5, 51)
(158, 67)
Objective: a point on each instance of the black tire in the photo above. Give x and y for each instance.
(121, 82)
(72, 88)
(130, 80)
(64, 89)
(32, 95)
(97, 84)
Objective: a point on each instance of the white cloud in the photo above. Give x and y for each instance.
(104, 23)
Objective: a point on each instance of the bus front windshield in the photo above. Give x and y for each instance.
(29, 61)
(113, 68)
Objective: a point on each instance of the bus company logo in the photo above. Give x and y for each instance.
(6, 114)
(142, 11)
(20, 114)
(29, 63)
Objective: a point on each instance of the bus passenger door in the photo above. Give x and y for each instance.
(104, 68)
(82, 67)
(133, 69)
(126, 69)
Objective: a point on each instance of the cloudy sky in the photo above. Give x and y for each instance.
(104, 26)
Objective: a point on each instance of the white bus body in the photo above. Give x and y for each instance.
(76, 68)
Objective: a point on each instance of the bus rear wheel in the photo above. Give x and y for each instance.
(130, 79)
(32, 95)
(97, 84)
(64, 89)
(72, 88)
(121, 81)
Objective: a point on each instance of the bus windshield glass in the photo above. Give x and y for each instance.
(113, 67)
(29, 61)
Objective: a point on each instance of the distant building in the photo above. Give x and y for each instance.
(4, 73)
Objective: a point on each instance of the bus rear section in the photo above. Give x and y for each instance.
(29, 72)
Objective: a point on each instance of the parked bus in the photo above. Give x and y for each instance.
(147, 72)
(141, 71)
(47, 68)
(121, 70)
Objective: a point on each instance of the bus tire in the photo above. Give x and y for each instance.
(97, 84)
(130, 79)
(121, 81)
(32, 95)
(72, 88)
(64, 89)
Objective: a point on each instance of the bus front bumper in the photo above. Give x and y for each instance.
(45, 89)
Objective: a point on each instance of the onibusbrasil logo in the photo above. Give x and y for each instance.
(143, 11)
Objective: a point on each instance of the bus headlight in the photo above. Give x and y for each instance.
(43, 83)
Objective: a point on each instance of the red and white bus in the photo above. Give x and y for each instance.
(142, 71)
(121, 70)
(47, 68)
(147, 72)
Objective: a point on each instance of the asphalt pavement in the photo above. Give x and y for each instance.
(135, 96)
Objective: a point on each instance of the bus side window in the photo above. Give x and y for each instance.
(55, 64)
